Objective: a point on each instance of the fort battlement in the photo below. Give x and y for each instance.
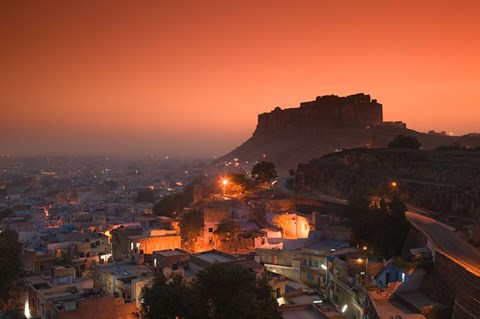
(324, 113)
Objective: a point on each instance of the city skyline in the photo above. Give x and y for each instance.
(188, 79)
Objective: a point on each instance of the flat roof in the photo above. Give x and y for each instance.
(170, 252)
(212, 257)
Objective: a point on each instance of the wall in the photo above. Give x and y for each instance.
(106, 307)
(464, 283)
(316, 117)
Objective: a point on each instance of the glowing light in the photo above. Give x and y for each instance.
(365, 247)
(324, 267)
(344, 308)
(394, 184)
(224, 182)
(27, 309)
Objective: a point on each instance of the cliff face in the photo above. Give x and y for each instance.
(329, 123)
(447, 182)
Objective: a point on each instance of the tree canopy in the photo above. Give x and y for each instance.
(10, 264)
(191, 226)
(264, 171)
(381, 226)
(218, 292)
(402, 141)
(239, 182)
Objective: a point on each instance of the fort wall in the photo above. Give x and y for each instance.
(324, 113)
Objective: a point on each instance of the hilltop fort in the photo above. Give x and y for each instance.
(324, 113)
(329, 123)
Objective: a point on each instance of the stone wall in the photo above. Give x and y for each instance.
(465, 285)
(444, 182)
(325, 113)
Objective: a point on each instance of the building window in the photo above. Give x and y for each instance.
(210, 230)
(310, 263)
(304, 262)
(316, 263)
(310, 277)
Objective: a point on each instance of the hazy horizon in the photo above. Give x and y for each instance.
(188, 79)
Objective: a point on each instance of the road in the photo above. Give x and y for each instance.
(446, 242)
(443, 239)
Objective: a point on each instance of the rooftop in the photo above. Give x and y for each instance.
(170, 252)
(215, 257)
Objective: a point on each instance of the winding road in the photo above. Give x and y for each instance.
(440, 235)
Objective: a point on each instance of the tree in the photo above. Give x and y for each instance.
(232, 292)
(170, 204)
(264, 171)
(239, 182)
(402, 141)
(382, 226)
(191, 226)
(227, 231)
(168, 300)
(228, 235)
(10, 265)
(219, 291)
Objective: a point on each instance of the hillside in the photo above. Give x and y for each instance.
(330, 123)
(447, 182)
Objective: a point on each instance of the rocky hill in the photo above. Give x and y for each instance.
(447, 182)
(330, 123)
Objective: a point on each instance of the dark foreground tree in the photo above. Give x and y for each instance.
(402, 141)
(218, 292)
(233, 292)
(10, 266)
(264, 172)
(172, 299)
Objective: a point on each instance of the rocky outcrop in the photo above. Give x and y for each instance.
(330, 123)
(447, 182)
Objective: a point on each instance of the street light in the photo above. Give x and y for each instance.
(224, 182)
(360, 260)
(326, 278)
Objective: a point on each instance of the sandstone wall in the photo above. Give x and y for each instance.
(325, 113)
(465, 285)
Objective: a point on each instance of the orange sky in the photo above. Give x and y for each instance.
(189, 77)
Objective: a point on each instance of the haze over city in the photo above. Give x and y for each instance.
(188, 78)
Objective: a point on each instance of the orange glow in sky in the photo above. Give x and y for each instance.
(188, 78)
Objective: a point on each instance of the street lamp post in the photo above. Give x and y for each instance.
(224, 182)
(324, 267)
